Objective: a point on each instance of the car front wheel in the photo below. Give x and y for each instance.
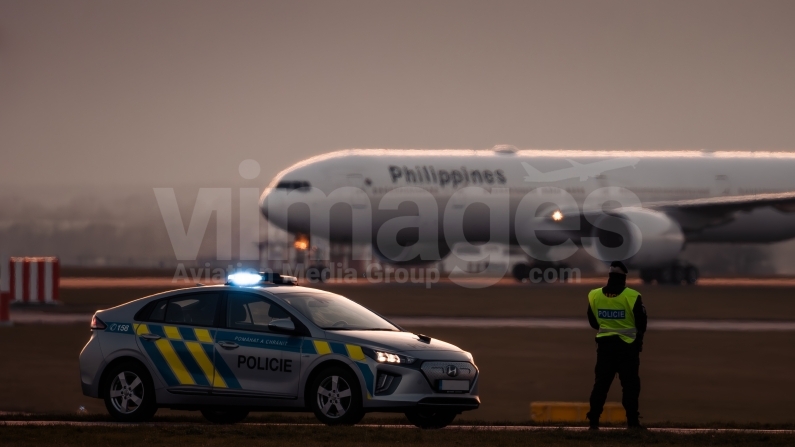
(336, 398)
(430, 419)
(129, 393)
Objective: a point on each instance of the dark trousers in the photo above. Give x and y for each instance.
(611, 359)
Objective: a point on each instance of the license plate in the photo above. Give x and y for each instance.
(454, 385)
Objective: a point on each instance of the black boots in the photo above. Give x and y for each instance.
(634, 424)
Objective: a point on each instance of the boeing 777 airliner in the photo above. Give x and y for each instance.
(641, 206)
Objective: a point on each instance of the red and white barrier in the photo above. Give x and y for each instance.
(5, 294)
(34, 280)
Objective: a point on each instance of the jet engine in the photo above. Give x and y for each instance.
(641, 238)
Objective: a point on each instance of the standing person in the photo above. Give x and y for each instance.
(618, 314)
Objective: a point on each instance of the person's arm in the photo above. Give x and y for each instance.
(641, 320)
(592, 319)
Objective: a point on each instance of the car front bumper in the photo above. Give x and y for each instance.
(416, 390)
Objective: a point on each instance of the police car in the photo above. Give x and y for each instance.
(261, 343)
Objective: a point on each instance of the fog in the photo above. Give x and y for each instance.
(101, 101)
(123, 227)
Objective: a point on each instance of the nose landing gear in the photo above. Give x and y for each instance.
(678, 273)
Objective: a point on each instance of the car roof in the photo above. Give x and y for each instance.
(270, 288)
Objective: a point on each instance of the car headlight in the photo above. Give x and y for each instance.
(389, 357)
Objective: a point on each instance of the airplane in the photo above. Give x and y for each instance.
(642, 207)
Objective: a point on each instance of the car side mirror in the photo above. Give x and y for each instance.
(282, 325)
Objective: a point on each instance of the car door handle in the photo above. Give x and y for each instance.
(150, 337)
(228, 345)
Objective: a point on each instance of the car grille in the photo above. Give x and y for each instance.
(439, 371)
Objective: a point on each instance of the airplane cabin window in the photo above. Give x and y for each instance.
(294, 184)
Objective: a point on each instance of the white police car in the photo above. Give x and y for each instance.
(260, 343)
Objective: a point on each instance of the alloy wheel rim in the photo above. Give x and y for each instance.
(334, 397)
(126, 392)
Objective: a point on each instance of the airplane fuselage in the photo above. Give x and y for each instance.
(652, 176)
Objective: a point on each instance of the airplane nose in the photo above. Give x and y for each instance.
(267, 199)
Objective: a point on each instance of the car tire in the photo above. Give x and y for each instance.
(129, 393)
(336, 397)
(430, 419)
(224, 416)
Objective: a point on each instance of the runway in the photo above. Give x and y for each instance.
(582, 323)
(174, 283)
(34, 317)
(528, 428)
(451, 427)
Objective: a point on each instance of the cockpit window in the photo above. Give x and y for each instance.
(294, 184)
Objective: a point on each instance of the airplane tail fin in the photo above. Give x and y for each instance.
(574, 163)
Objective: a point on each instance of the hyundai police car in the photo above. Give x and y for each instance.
(261, 343)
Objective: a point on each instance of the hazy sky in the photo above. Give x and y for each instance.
(155, 93)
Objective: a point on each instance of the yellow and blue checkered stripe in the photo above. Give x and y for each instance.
(184, 356)
(354, 352)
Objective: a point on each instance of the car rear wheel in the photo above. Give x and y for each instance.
(129, 393)
(430, 419)
(336, 397)
(224, 416)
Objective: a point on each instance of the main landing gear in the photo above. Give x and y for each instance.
(676, 274)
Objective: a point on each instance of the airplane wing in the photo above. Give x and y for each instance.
(693, 215)
(784, 201)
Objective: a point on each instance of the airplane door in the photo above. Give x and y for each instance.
(262, 362)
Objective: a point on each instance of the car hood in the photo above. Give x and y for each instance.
(401, 342)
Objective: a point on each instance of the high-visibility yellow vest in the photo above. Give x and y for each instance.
(614, 314)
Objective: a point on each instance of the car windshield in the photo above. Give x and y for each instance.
(334, 312)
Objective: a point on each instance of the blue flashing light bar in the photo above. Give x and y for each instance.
(244, 279)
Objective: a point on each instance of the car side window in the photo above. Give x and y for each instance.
(193, 309)
(251, 312)
(159, 311)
